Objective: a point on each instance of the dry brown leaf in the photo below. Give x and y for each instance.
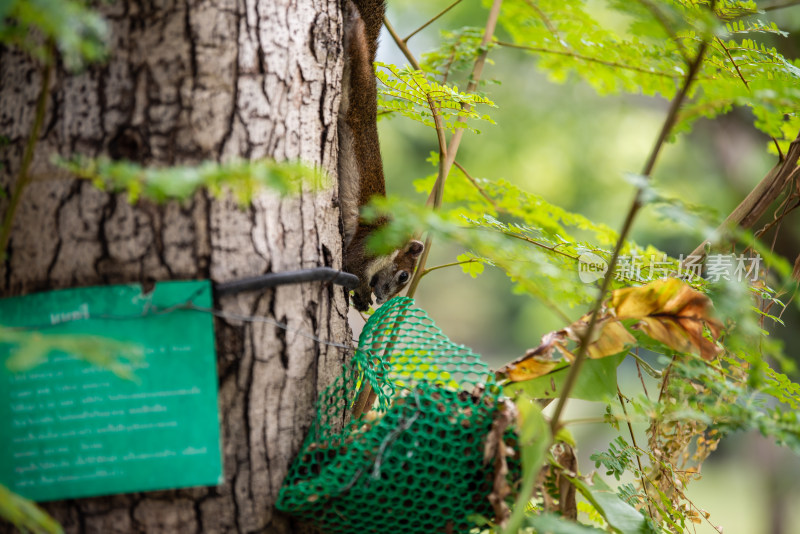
(609, 338)
(564, 455)
(671, 312)
(497, 451)
(535, 363)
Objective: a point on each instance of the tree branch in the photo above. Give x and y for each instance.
(401, 44)
(636, 205)
(754, 205)
(447, 154)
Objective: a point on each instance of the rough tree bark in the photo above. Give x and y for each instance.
(186, 82)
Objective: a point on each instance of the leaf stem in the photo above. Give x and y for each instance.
(23, 177)
(549, 25)
(553, 248)
(585, 58)
(664, 23)
(477, 186)
(746, 84)
(733, 62)
(636, 205)
(452, 264)
(591, 420)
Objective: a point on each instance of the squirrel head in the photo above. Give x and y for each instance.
(390, 274)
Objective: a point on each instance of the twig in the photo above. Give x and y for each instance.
(447, 153)
(475, 77)
(639, 372)
(23, 177)
(633, 441)
(781, 5)
(401, 44)
(777, 219)
(442, 12)
(636, 205)
(436, 195)
(366, 397)
(362, 401)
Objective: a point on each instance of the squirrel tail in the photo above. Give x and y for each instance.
(372, 12)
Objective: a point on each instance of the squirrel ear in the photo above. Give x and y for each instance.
(415, 248)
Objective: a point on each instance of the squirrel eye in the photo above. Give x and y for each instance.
(403, 277)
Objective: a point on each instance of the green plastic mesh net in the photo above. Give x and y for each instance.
(415, 462)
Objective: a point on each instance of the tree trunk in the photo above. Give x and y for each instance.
(187, 82)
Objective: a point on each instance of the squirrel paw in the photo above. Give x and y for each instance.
(362, 300)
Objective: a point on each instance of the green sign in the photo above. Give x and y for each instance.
(69, 429)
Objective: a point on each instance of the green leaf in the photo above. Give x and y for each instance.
(32, 348)
(416, 95)
(78, 31)
(240, 178)
(597, 381)
(618, 459)
(553, 524)
(621, 516)
(25, 514)
(651, 55)
(472, 265)
(457, 52)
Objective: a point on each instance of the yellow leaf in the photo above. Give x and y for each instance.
(529, 368)
(535, 363)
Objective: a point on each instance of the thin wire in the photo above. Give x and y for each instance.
(153, 311)
(259, 319)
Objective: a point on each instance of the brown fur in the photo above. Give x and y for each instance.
(360, 164)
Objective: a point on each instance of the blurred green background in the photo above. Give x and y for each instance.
(573, 147)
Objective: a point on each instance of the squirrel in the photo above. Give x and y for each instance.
(360, 163)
